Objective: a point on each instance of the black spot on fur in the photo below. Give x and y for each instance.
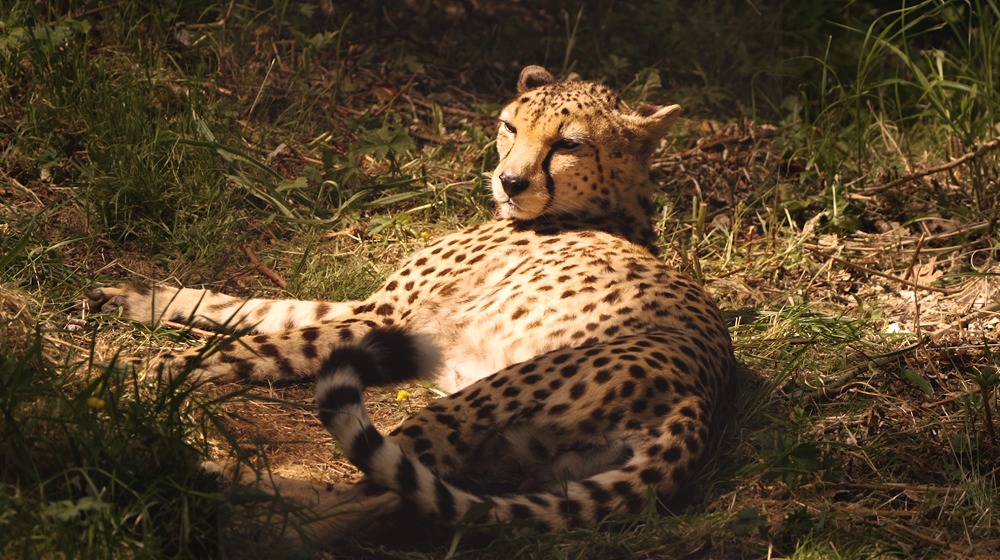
(337, 398)
(538, 500)
(520, 511)
(364, 445)
(448, 421)
(650, 476)
(421, 444)
(244, 369)
(561, 358)
(541, 394)
(413, 431)
(569, 507)
(445, 501)
(661, 384)
(406, 476)
(672, 455)
(385, 355)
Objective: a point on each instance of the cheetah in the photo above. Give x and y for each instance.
(584, 374)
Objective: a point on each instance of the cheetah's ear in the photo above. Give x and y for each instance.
(533, 77)
(655, 121)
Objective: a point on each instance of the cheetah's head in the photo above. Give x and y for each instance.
(575, 148)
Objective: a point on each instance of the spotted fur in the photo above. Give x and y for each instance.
(585, 374)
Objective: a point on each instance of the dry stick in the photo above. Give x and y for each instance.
(987, 413)
(195, 331)
(917, 535)
(826, 255)
(978, 152)
(950, 399)
(720, 143)
(895, 486)
(989, 309)
(278, 280)
(830, 390)
(909, 274)
(218, 23)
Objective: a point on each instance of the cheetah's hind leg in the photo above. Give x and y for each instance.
(262, 505)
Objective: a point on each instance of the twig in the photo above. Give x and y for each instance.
(278, 280)
(989, 309)
(916, 535)
(99, 9)
(987, 411)
(876, 512)
(913, 277)
(200, 333)
(830, 390)
(978, 152)
(881, 274)
(444, 108)
(721, 143)
(895, 486)
(950, 399)
(217, 23)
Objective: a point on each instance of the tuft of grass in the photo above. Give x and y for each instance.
(99, 465)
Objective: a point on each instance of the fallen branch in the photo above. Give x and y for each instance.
(830, 390)
(977, 153)
(278, 280)
(903, 281)
(877, 486)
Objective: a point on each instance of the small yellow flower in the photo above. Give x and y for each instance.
(402, 395)
(96, 403)
(425, 235)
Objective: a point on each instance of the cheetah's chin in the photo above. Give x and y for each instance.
(507, 209)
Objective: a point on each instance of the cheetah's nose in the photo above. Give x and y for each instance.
(513, 185)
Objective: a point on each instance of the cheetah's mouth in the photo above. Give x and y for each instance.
(506, 203)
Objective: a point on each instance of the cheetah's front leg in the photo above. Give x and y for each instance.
(300, 353)
(211, 310)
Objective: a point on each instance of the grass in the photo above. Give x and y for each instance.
(162, 142)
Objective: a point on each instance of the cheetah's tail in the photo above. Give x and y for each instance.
(656, 469)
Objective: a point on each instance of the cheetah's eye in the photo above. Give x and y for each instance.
(508, 127)
(566, 145)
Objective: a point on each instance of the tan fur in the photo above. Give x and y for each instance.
(586, 373)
